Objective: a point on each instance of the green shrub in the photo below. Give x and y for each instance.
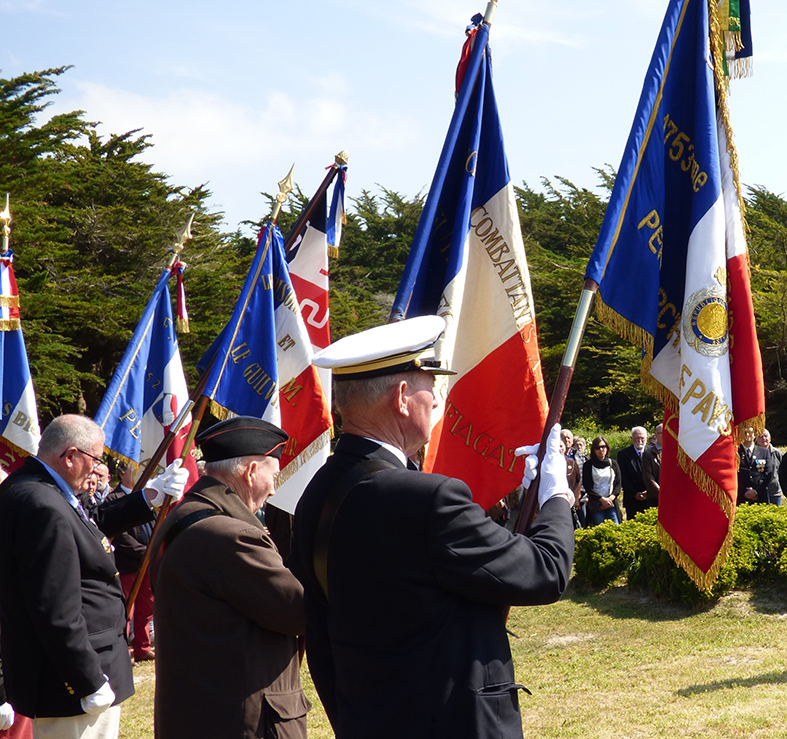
(632, 551)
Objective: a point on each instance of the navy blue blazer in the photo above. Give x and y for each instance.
(61, 605)
(412, 640)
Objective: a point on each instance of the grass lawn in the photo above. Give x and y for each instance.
(620, 664)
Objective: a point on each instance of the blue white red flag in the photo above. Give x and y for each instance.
(672, 269)
(19, 430)
(467, 264)
(148, 390)
(308, 266)
(307, 262)
(260, 365)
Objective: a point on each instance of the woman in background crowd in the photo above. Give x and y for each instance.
(601, 480)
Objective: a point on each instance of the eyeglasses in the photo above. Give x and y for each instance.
(96, 460)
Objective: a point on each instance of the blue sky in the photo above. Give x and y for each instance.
(233, 93)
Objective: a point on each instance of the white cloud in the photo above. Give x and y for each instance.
(243, 148)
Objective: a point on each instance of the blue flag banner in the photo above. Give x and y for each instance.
(19, 425)
(667, 181)
(244, 376)
(148, 386)
(260, 364)
(437, 250)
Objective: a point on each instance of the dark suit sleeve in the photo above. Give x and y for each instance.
(124, 513)
(474, 557)
(50, 578)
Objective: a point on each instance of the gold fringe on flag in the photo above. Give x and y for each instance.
(703, 580)
(9, 301)
(10, 324)
(121, 458)
(220, 412)
(319, 443)
(706, 483)
(182, 325)
(722, 85)
(333, 251)
(14, 448)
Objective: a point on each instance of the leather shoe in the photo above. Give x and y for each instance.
(144, 655)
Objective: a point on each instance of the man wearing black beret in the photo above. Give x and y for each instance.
(227, 611)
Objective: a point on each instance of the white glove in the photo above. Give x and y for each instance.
(6, 716)
(171, 482)
(553, 469)
(99, 701)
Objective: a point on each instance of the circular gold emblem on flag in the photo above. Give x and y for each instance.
(705, 321)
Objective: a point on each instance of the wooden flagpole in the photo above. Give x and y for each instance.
(340, 160)
(558, 401)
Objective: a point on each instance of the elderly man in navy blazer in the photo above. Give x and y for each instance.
(64, 652)
(630, 462)
(406, 580)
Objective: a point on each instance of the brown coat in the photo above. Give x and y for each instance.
(227, 614)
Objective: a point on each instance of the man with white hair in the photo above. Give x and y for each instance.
(64, 652)
(406, 580)
(774, 488)
(630, 463)
(227, 610)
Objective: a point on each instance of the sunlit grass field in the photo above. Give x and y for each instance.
(621, 664)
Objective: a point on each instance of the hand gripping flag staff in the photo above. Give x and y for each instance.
(148, 390)
(260, 364)
(467, 264)
(19, 430)
(671, 267)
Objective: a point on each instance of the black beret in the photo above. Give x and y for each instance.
(241, 436)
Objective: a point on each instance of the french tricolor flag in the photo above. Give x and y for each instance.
(672, 268)
(148, 390)
(260, 365)
(19, 431)
(467, 264)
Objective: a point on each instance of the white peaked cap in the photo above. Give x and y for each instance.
(403, 346)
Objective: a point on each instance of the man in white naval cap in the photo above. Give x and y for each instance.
(406, 581)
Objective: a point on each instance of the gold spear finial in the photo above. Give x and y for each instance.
(342, 158)
(5, 217)
(183, 235)
(285, 187)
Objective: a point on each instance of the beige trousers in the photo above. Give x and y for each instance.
(104, 726)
